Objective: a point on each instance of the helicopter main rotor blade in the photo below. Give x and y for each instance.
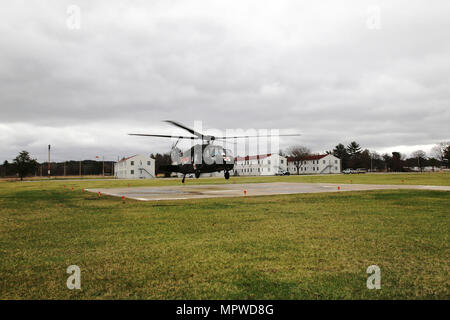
(182, 126)
(162, 136)
(260, 136)
(225, 141)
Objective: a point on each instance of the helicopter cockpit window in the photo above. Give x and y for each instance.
(212, 154)
(214, 151)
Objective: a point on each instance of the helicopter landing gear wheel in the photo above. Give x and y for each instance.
(197, 174)
(227, 175)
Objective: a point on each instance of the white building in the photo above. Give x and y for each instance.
(316, 164)
(260, 165)
(271, 164)
(135, 167)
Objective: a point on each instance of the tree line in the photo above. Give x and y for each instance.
(161, 159)
(24, 165)
(353, 156)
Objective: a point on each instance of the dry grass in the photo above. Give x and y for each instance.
(309, 246)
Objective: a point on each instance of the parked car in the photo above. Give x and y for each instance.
(282, 173)
(348, 171)
(361, 170)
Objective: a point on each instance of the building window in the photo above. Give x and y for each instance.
(282, 161)
(335, 168)
(132, 171)
(132, 163)
(323, 161)
(268, 161)
(148, 163)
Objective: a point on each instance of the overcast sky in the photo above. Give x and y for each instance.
(377, 72)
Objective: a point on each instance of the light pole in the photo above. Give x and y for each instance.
(48, 172)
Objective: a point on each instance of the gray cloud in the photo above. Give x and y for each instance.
(308, 67)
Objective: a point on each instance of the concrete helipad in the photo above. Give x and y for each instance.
(187, 191)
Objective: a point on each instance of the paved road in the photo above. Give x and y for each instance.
(251, 189)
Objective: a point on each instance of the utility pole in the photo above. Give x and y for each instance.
(48, 172)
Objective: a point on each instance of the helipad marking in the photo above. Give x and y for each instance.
(169, 193)
(160, 199)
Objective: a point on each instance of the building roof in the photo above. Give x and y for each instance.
(289, 159)
(312, 157)
(258, 157)
(125, 159)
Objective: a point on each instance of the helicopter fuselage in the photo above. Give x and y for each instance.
(201, 158)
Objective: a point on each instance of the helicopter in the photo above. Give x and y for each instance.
(201, 158)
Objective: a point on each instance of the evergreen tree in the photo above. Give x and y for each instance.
(24, 164)
(353, 149)
(341, 152)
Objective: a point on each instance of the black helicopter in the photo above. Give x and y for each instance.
(201, 158)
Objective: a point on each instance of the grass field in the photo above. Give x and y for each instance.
(306, 246)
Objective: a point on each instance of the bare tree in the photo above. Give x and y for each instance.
(439, 150)
(298, 154)
(420, 155)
